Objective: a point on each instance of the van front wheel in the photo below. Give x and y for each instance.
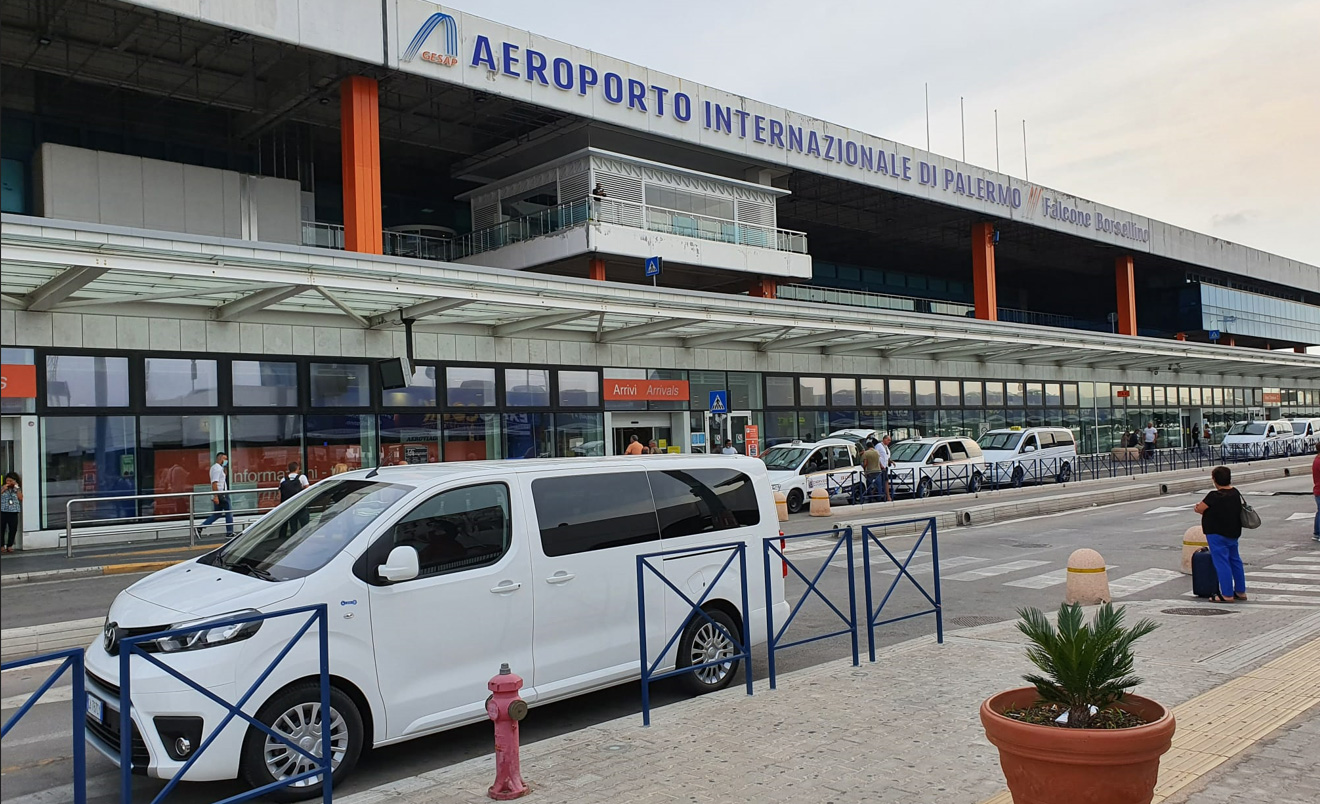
(296, 715)
(703, 642)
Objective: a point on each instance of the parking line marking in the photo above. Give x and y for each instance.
(945, 563)
(1044, 581)
(1300, 576)
(1283, 587)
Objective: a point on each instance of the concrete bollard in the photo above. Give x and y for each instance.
(820, 502)
(781, 506)
(1088, 580)
(1193, 540)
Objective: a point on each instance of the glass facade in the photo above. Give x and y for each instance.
(114, 425)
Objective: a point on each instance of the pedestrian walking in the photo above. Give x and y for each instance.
(1221, 520)
(220, 496)
(872, 470)
(1150, 435)
(1315, 489)
(11, 510)
(1196, 438)
(294, 481)
(882, 449)
(651, 448)
(728, 448)
(634, 446)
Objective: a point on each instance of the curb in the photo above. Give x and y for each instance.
(32, 640)
(16, 578)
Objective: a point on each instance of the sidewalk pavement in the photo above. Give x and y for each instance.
(905, 729)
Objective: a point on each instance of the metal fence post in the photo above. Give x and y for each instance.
(327, 750)
(935, 564)
(79, 730)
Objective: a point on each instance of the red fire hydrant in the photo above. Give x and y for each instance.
(506, 708)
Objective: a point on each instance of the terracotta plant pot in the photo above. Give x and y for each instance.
(1053, 765)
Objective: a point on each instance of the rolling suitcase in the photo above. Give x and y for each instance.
(1205, 581)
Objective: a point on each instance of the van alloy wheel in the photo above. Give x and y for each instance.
(301, 724)
(702, 642)
(1065, 473)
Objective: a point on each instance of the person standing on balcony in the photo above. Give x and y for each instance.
(220, 496)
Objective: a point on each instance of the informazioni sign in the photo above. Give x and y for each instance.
(443, 43)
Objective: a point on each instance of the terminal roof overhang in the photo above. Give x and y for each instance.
(54, 266)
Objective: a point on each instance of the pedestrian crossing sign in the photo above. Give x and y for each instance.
(719, 401)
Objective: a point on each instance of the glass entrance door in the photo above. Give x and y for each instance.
(721, 427)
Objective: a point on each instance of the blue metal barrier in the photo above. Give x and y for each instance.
(131, 646)
(873, 620)
(842, 538)
(73, 662)
(738, 552)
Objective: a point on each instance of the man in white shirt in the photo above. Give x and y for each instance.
(1150, 434)
(728, 448)
(883, 449)
(220, 496)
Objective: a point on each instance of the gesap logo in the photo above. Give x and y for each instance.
(449, 37)
(1033, 200)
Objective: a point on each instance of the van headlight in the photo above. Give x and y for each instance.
(209, 633)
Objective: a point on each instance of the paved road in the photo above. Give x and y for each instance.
(988, 572)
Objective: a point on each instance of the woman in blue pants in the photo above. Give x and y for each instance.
(1221, 520)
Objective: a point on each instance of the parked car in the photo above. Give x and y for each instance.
(922, 465)
(434, 575)
(1246, 440)
(798, 467)
(1306, 435)
(1017, 455)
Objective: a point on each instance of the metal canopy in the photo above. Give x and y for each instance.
(236, 280)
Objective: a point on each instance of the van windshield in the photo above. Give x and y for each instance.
(1299, 428)
(909, 452)
(1000, 440)
(783, 457)
(301, 536)
(1247, 428)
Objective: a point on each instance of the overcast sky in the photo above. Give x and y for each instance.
(1202, 113)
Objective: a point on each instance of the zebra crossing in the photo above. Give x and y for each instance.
(1293, 580)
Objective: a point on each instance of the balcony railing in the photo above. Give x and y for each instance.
(566, 216)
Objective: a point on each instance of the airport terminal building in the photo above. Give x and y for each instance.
(218, 218)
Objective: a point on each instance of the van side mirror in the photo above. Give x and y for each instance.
(1029, 448)
(402, 565)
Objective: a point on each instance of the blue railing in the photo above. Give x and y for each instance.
(777, 545)
(72, 661)
(323, 767)
(737, 552)
(873, 620)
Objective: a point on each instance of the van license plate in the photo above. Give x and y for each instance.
(95, 708)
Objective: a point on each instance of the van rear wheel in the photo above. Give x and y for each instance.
(702, 642)
(1065, 473)
(296, 715)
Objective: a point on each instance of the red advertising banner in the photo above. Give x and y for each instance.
(752, 435)
(646, 390)
(18, 381)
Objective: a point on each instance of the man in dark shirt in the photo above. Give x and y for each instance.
(1221, 520)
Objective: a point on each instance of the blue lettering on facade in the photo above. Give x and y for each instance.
(758, 128)
(536, 67)
(776, 133)
(794, 139)
(636, 94)
(813, 143)
(683, 108)
(829, 145)
(613, 87)
(587, 77)
(481, 54)
(563, 70)
(660, 93)
(723, 118)
(509, 60)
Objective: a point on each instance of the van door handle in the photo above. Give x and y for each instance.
(560, 577)
(506, 587)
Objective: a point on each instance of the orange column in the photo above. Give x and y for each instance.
(359, 146)
(1127, 295)
(596, 269)
(764, 288)
(983, 272)
(1301, 350)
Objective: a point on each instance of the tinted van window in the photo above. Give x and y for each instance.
(703, 500)
(454, 530)
(594, 512)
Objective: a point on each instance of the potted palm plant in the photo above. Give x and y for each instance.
(1077, 736)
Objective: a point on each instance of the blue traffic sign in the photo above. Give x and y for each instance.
(719, 401)
(652, 266)
(1214, 334)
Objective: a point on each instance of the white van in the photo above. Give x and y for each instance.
(796, 468)
(1016, 455)
(923, 465)
(434, 575)
(1306, 435)
(1246, 440)
(856, 435)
